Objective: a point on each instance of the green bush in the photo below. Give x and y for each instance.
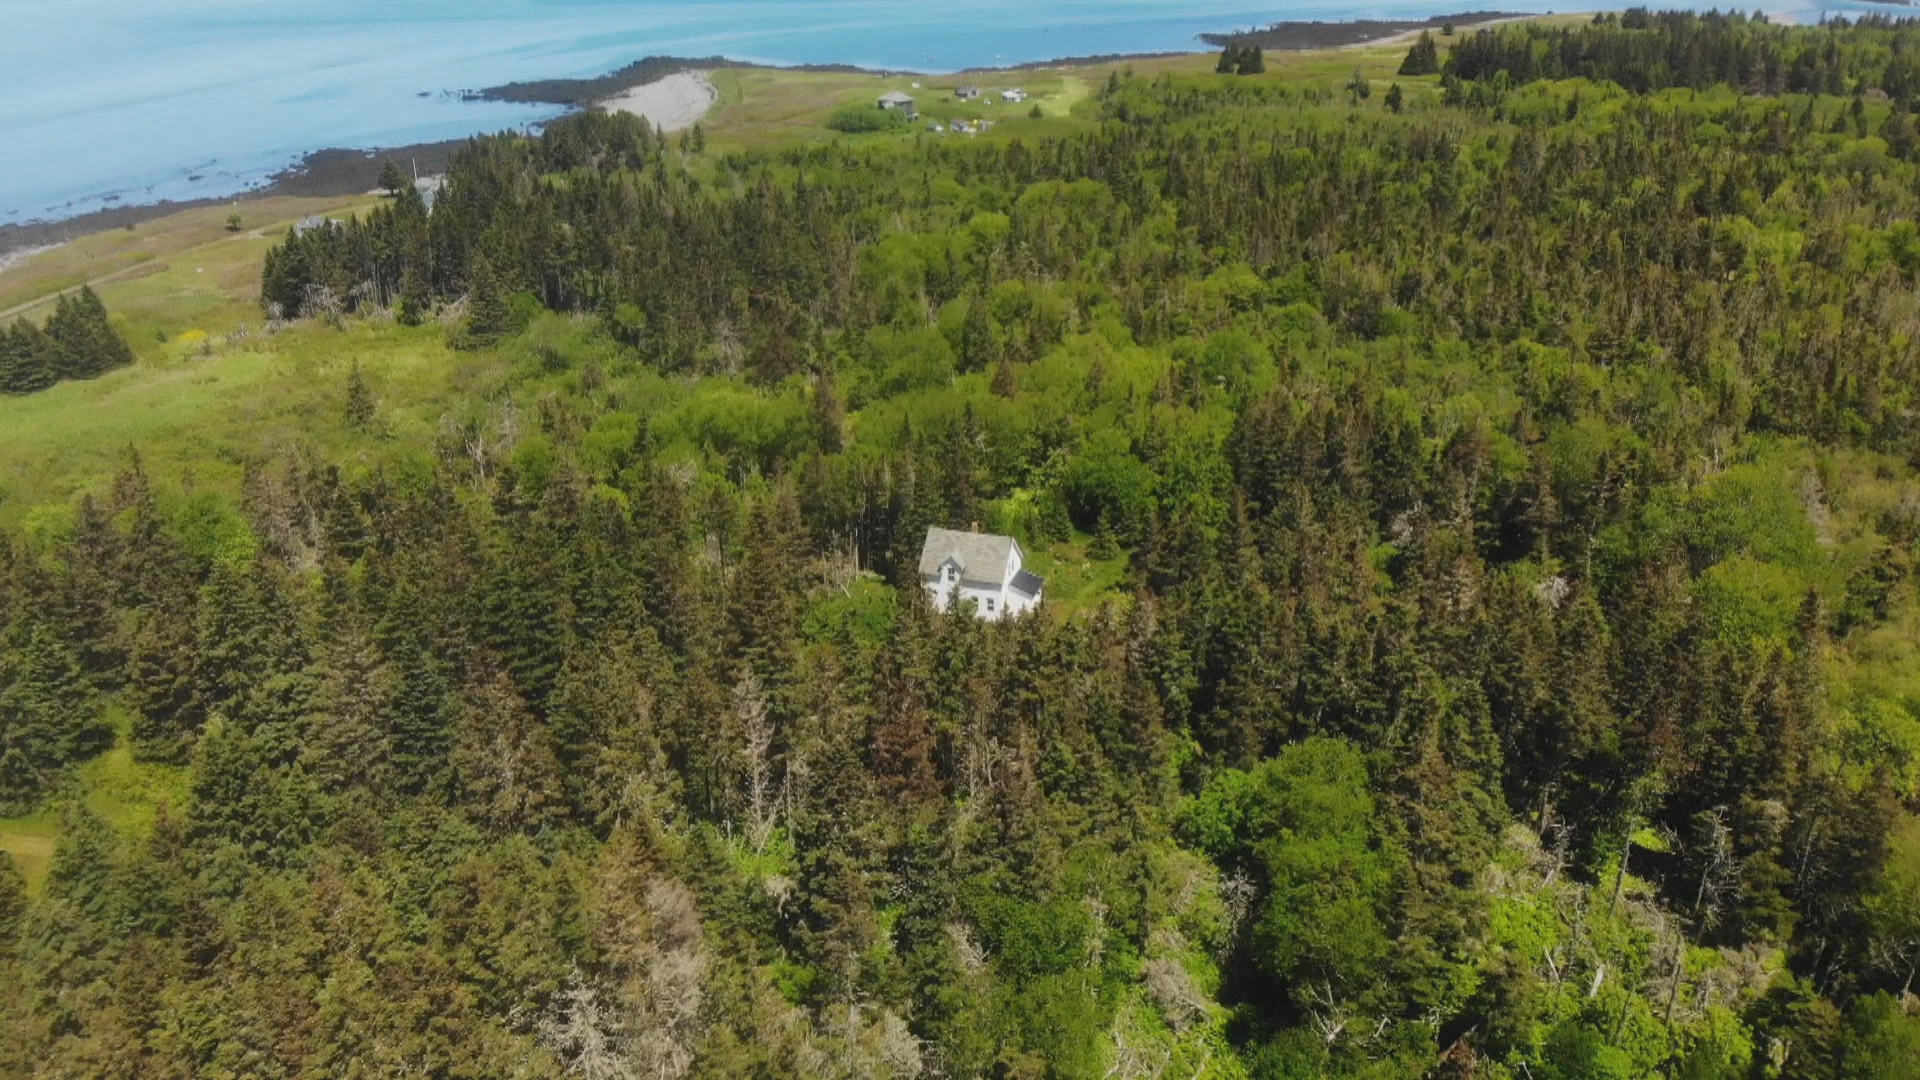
(856, 118)
(1107, 482)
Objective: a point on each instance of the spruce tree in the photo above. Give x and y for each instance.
(81, 870)
(979, 346)
(829, 415)
(508, 776)
(88, 343)
(1006, 381)
(360, 404)
(161, 688)
(30, 359)
(67, 326)
(49, 717)
(488, 316)
(110, 348)
(229, 638)
(416, 300)
(767, 599)
(1423, 58)
(417, 720)
(345, 745)
(1359, 86)
(13, 904)
(12, 354)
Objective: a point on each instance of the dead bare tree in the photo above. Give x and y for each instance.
(1135, 1058)
(1173, 990)
(319, 302)
(1328, 1014)
(1719, 883)
(756, 733)
(967, 948)
(587, 1033)
(900, 1052)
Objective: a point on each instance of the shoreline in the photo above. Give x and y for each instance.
(339, 171)
(327, 173)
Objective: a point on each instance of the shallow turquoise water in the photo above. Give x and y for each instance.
(141, 100)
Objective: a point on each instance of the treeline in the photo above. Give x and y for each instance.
(1495, 549)
(1313, 34)
(77, 342)
(1645, 51)
(1683, 278)
(1241, 60)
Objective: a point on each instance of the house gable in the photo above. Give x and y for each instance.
(982, 568)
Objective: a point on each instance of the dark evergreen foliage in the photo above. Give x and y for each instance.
(78, 342)
(1423, 58)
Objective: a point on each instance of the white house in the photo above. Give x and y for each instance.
(980, 567)
(1014, 96)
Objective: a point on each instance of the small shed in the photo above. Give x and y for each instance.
(308, 224)
(966, 93)
(894, 99)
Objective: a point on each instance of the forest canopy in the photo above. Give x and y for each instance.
(1480, 636)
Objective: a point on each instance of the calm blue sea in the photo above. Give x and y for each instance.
(142, 100)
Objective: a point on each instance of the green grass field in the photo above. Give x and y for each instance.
(201, 405)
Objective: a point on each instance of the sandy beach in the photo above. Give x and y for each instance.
(675, 102)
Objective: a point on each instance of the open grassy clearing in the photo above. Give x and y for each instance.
(125, 793)
(199, 407)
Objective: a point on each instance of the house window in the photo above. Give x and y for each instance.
(951, 573)
(989, 605)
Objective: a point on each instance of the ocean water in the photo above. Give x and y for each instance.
(105, 101)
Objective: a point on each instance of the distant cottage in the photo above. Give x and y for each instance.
(967, 93)
(980, 567)
(894, 99)
(308, 224)
(1013, 96)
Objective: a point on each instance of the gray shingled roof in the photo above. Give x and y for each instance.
(1029, 584)
(982, 556)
